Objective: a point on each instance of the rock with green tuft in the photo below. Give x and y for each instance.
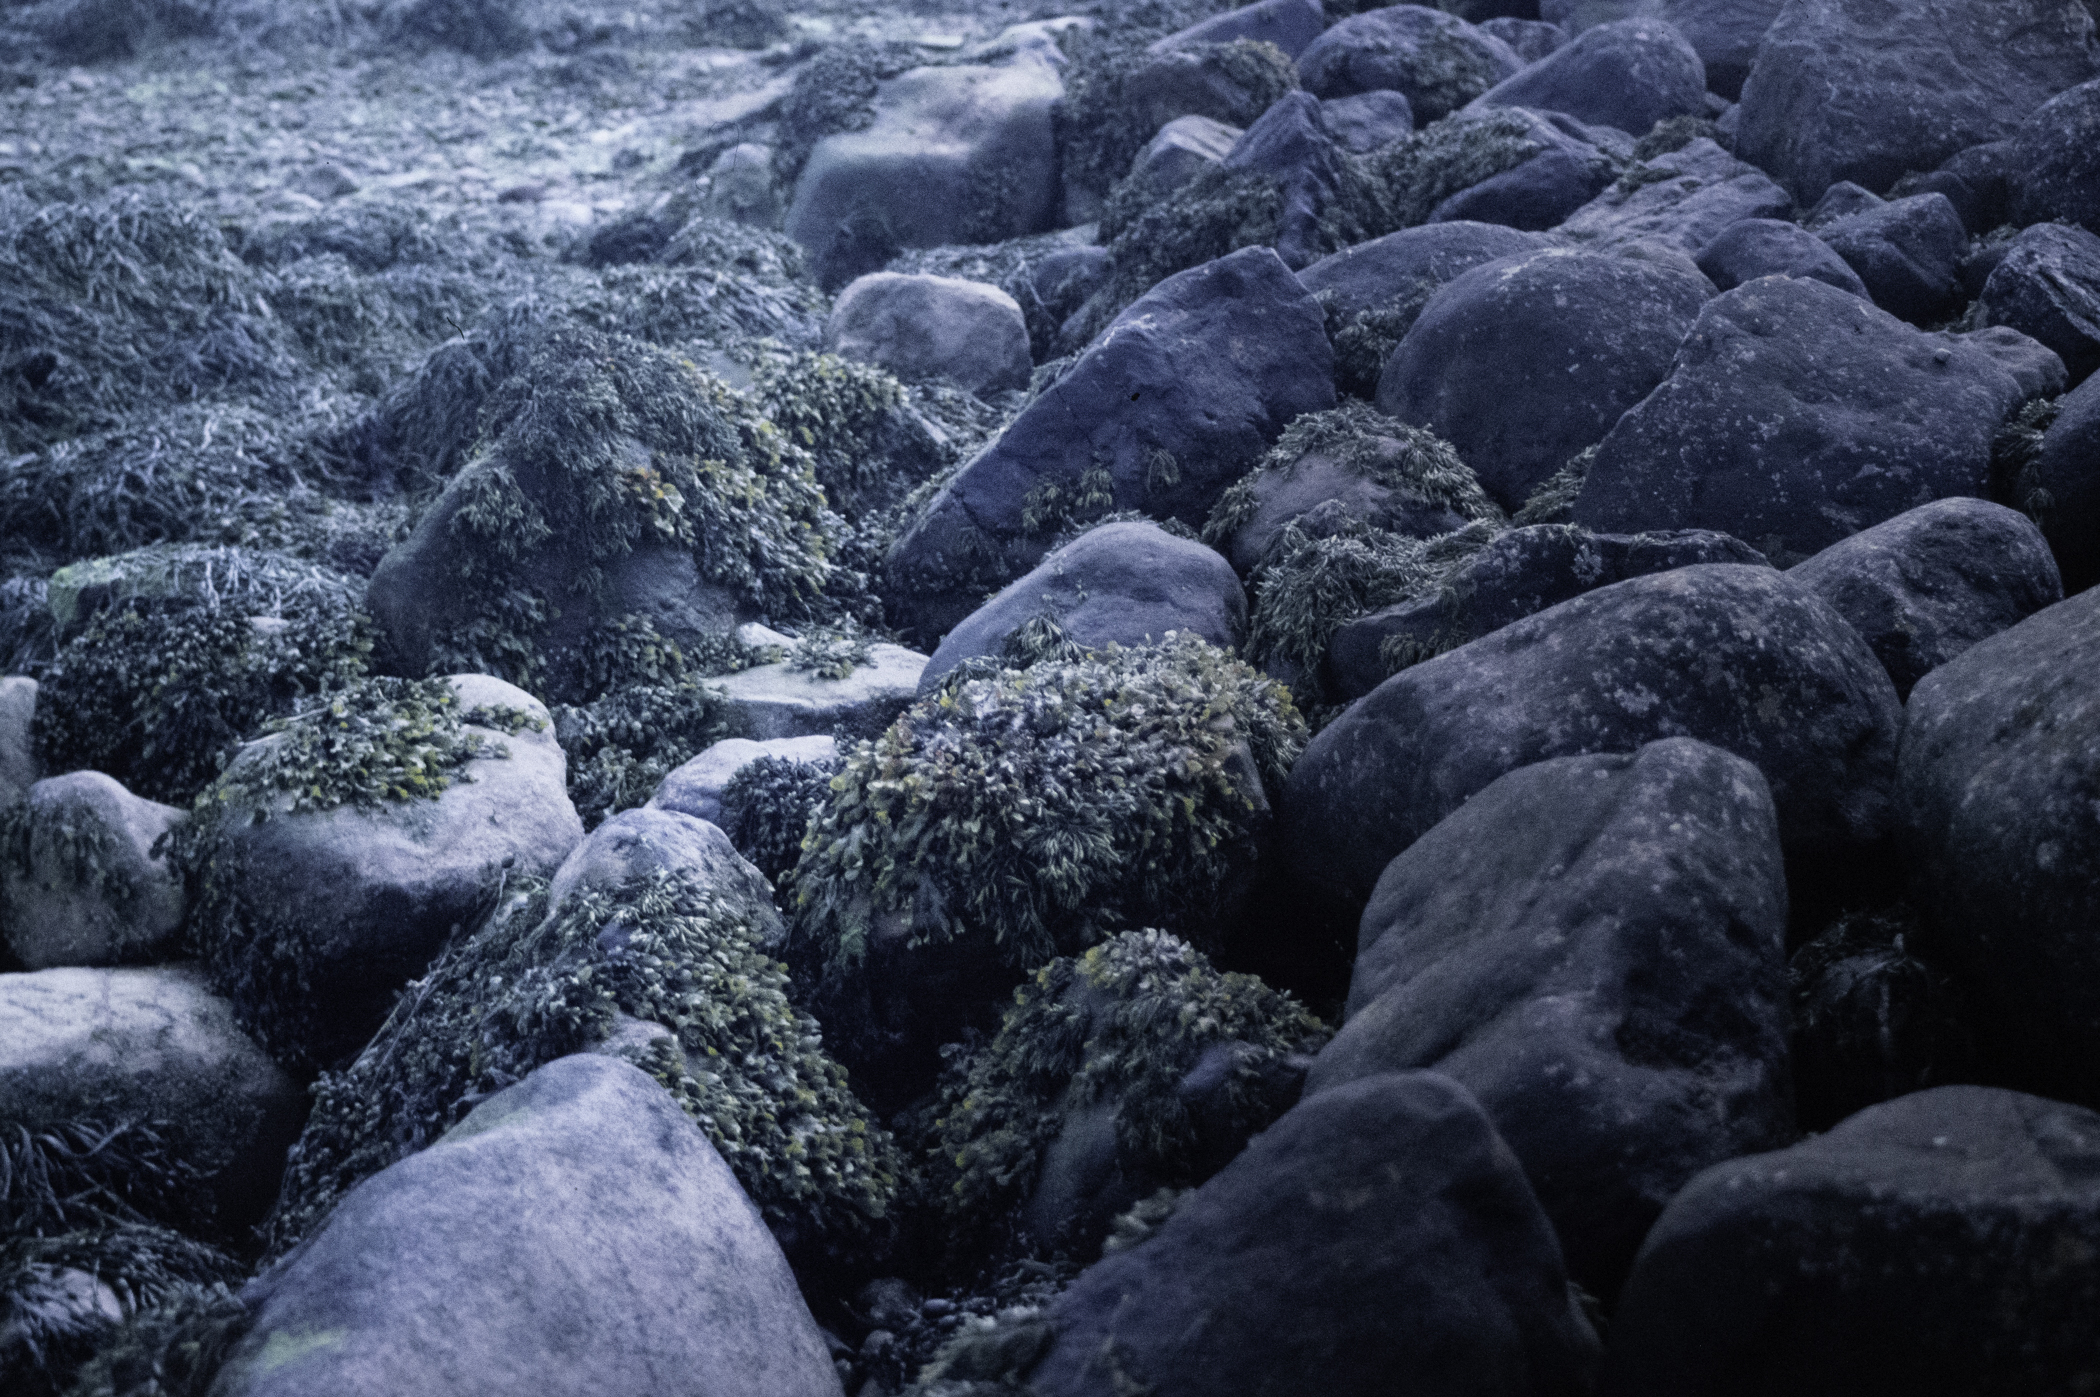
(19, 768)
(84, 878)
(696, 788)
(921, 327)
(1437, 60)
(786, 700)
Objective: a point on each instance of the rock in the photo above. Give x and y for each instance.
(1288, 24)
(1864, 90)
(1197, 79)
(633, 844)
(650, 1271)
(1529, 39)
(1923, 587)
(1795, 415)
(150, 1046)
(1524, 362)
(1184, 147)
(1380, 1235)
(2000, 756)
(2055, 160)
(333, 910)
(1725, 34)
(1175, 400)
(1976, 180)
(1759, 247)
(19, 768)
(80, 883)
(1405, 268)
(1684, 199)
(964, 153)
(1123, 584)
(932, 327)
(1594, 947)
(1879, 1259)
(778, 700)
(1436, 60)
(740, 187)
(695, 788)
(2047, 286)
(1841, 200)
(1908, 253)
(1629, 74)
(1291, 145)
(1735, 656)
(1369, 120)
(2066, 487)
(1547, 165)
(1519, 574)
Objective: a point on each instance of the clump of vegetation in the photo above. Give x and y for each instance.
(69, 848)
(1364, 339)
(767, 807)
(173, 1348)
(623, 744)
(835, 93)
(1105, 123)
(830, 652)
(1042, 809)
(1552, 500)
(1450, 156)
(1673, 133)
(534, 984)
(1122, 1025)
(840, 412)
(2015, 454)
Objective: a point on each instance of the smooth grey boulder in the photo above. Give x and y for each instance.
(1628, 74)
(1436, 60)
(19, 769)
(778, 700)
(1735, 656)
(1369, 120)
(1176, 399)
(696, 787)
(1725, 33)
(1684, 199)
(1758, 247)
(341, 907)
(1380, 1235)
(155, 1046)
(1999, 765)
(2065, 489)
(1288, 24)
(2047, 286)
(1797, 414)
(575, 1234)
(1908, 254)
(80, 881)
(1520, 573)
(1529, 39)
(1395, 275)
(1864, 90)
(1923, 587)
(932, 327)
(2054, 163)
(960, 153)
(1124, 584)
(1595, 947)
(634, 844)
(1183, 149)
(1522, 363)
(1944, 1243)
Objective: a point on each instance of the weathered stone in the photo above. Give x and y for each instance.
(2065, 489)
(696, 787)
(1908, 254)
(1288, 24)
(1369, 120)
(2055, 160)
(1183, 149)
(1628, 74)
(2047, 286)
(1436, 60)
(19, 769)
(1684, 199)
(778, 700)
(1759, 247)
(81, 882)
(932, 327)
(1725, 33)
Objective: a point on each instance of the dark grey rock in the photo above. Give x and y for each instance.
(1759, 247)
(1735, 656)
(1124, 583)
(1546, 165)
(1530, 39)
(1923, 587)
(1183, 149)
(1630, 74)
(1288, 24)
(1947, 1242)
(2047, 286)
(1841, 200)
(932, 327)
(90, 889)
(1292, 145)
(1999, 766)
(1437, 60)
(2067, 485)
(1865, 90)
(19, 768)
(1522, 363)
(1153, 402)
(636, 843)
(1369, 120)
(1976, 180)
(1595, 948)
(1725, 33)
(1908, 253)
(1683, 200)
(1521, 573)
(1380, 1236)
(575, 1234)
(1396, 274)
(1797, 414)
(2055, 160)
(1191, 79)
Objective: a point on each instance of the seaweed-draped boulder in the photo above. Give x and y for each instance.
(83, 879)
(1628, 74)
(1436, 60)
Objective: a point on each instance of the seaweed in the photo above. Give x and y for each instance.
(767, 807)
(622, 745)
(2015, 456)
(173, 1348)
(1552, 500)
(834, 93)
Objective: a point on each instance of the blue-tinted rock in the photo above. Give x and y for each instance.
(1368, 120)
(1977, 181)
(2047, 286)
(1725, 33)
(1437, 60)
(1409, 265)
(1629, 74)
(1291, 145)
(2055, 161)
(2065, 491)
(1759, 247)
(1908, 253)
(1288, 24)
(1183, 149)
(1529, 39)
(1683, 200)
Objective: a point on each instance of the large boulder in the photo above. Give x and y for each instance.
(1736, 656)
(2047, 286)
(83, 878)
(1121, 584)
(1380, 1235)
(1864, 90)
(19, 769)
(1923, 587)
(575, 1234)
(1999, 764)
(1628, 74)
(1169, 405)
(787, 699)
(2055, 160)
(932, 327)
(1522, 363)
(1288, 24)
(1183, 149)
(1945, 1242)
(1796, 414)
(1684, 199)
(1369, 120)
(1725, 33)
(2065, 489)
(1759, 247)
(1292, 149)
(1437, 60)
(1508, 165)
(1595, 948)
(1908, 254)
(696, 787)
(154, 1048)
(959, 153)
